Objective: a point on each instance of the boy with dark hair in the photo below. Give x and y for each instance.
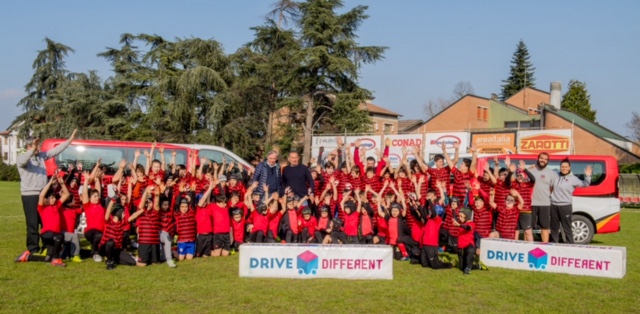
(237, 228)
(50, 210)
(167, 230)
(307, 223)
(351, 215)
(221, 222)
(149, 227)
(429, 239)
(111, 243)
(204, 222)
(508, 220)
(466, 243)
(94, 214)
(186, 226)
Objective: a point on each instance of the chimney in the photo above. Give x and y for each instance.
(494, 96)
(556, 95)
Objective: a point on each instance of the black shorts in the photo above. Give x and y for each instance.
(541, 217)
(148, 253)
(524, 221)
(382, 239)
(353, 240)
(221, 241)
(203, 244)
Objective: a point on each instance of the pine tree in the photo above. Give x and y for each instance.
(577, 100)
(521, 73)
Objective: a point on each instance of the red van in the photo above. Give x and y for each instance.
(596, 208)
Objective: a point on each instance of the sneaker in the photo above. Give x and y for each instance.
(23, 258)
(43, 252)
(134, 244)
(111, 265)
(171, 263)
(97, 258)
(404, 259)
(467, 271)
(445, 259)
(233, 252)
(483, 266)
(76, 259)
(58, 262)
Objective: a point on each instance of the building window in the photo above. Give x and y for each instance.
(511, 124)
(5, 156)
(525, 124)
(371, 128)
(388, 128)
(482, 113)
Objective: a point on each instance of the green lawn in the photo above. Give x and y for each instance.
(208, 285)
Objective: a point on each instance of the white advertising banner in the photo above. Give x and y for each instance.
(306, 261)
(433, 143)
(400, 141)
(548, 141)
(370, 143)
(587, 260)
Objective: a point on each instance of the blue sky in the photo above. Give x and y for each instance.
(432, 44)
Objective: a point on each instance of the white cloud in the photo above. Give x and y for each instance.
(11, 94)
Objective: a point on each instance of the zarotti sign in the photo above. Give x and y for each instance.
(549, 141)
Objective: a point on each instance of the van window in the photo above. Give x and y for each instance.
(181, 156)
(211, 155)
(89, 155)
(577, 168)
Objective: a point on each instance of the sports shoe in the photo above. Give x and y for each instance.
(233, 252)
(171, 263)
(483, 266)
(110, 265)
(76, 259)
(445, 259)
(404, 259)
(58, 262)
(43, 252)
(23, 258)
(97, 258)
(467, 271)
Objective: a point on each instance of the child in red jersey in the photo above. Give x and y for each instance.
(149, 226)
(399, 236)
(221, 227)
(508, 220)
(307, 225)
(466, 242)
(94, 215)
(350, 217)
(111, 244)
(237, 228)
(167, 230)
(429, 239)
(329, 196)
(204, 223)
(523, 183)
(289, 224)
(49, 209)
(324, 222)
(186, 226)
(259, 221)
(68, 219)
(365, 227)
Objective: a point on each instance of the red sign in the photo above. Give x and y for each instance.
(545, 143)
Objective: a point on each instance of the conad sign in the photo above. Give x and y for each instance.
(552, 142)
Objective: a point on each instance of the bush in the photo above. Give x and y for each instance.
(630, 168)
(8, 172)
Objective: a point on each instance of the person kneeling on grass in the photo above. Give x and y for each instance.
(466, 241)
(50, 210)
(114, 233)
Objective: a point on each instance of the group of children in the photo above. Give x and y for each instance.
(211, 210)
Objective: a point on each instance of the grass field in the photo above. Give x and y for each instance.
(213, 285)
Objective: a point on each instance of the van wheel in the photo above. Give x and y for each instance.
(583, 230)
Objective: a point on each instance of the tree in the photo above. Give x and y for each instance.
(633, 126)
(286, 11)
(326, 72)
(520, 74)
(577, 100)
(461, 89)
(432, 108)
(49, 73)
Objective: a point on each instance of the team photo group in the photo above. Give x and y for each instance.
(433, 213)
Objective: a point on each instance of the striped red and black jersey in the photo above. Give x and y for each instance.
(167, 222)
(485, 185)
(356, 183)
(186, 226)
(137, 190)
(124, 187)
(152, 176)
(439, 174)
(343, 179)
(149, 228)
(104, 186)
(526, 191)
(114, 231)
(407, 185)
(375, 184)
(507, 222)
(502, 190)
(459, 178)
(483, 219)
(424, 187)
(239, 188)
(201, 184)
(77, 202)
(450, 215)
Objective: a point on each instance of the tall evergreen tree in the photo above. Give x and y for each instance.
(578, 100)
(49, 73)
(326, 73)
(520, 73)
